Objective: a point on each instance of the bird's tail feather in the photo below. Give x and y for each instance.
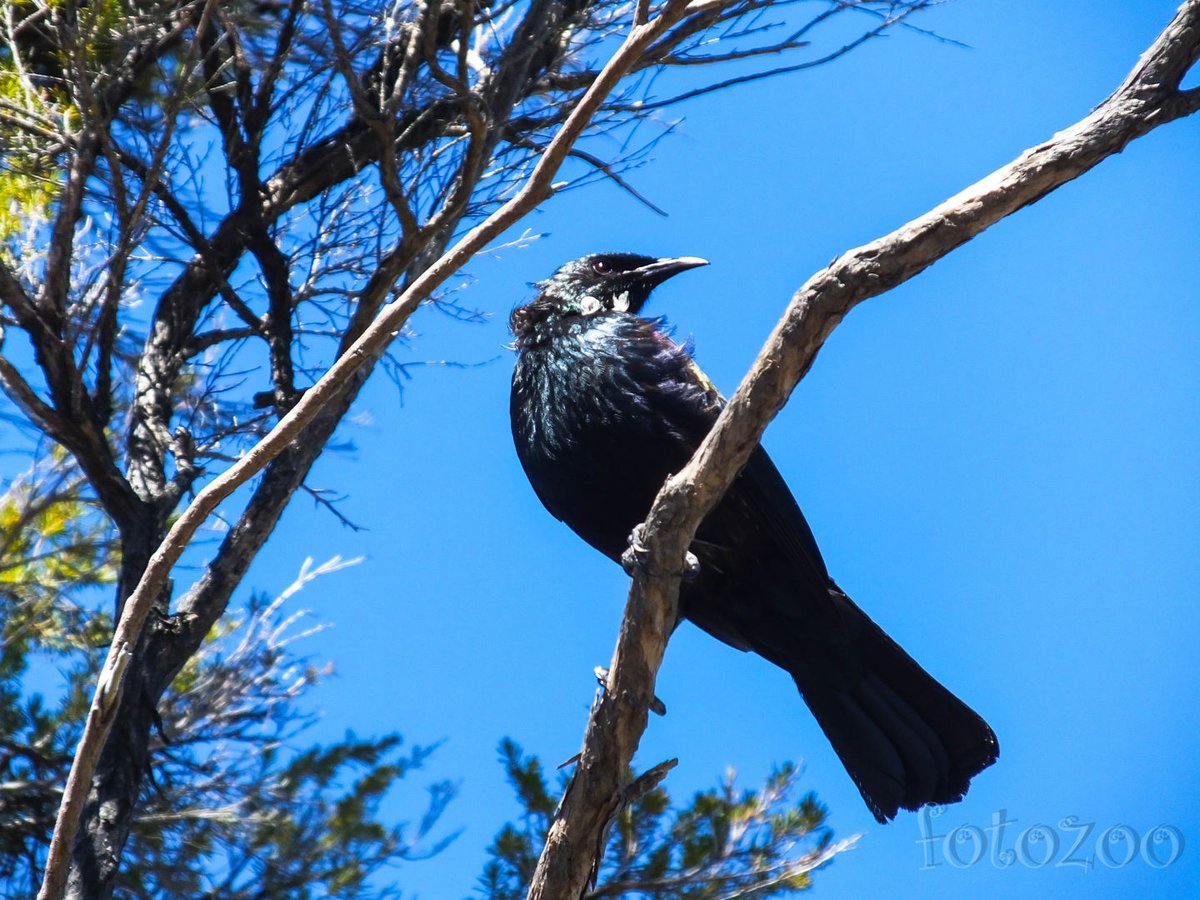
(903, 737)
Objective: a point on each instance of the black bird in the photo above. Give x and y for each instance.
(605, 405)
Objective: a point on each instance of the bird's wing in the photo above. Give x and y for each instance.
(758, 505)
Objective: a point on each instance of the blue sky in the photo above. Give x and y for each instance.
(998, 460)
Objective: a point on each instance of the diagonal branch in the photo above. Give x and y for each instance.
(536, 189)
(20, 392)
(1149, 97)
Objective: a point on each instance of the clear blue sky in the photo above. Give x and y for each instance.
(999, 461)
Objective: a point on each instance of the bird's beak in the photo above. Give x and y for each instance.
(660, 270)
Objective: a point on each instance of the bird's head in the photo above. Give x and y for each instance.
(601, 282)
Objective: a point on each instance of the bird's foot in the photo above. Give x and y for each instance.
(656, 706)
(635, 558)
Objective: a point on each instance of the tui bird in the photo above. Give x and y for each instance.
(605, 406)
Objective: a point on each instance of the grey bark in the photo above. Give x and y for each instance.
(1149, 97)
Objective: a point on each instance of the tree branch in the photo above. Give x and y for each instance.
(1149, 97)
(537, 188)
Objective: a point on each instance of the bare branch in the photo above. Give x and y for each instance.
(769, 73)
(376, 338)
(24, 396)
(607, 170)
(1149, 97)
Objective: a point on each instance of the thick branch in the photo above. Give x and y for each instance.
(68, 426)
(1149, 97)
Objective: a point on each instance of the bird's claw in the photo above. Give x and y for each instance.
(636, 556)
(633, 560)
(656, 706)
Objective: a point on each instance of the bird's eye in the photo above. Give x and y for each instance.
(600, 267)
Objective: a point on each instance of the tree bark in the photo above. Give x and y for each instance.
(1149, 97)
(111, 758)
